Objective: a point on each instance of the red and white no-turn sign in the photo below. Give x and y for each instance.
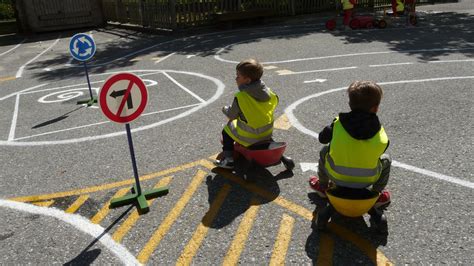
(123, 97)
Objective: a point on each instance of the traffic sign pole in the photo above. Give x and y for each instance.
(82, 48)
(137, 194)
(93, 99)
(123, 102)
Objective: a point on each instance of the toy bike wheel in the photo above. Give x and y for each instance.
(331, 24)
(354, 24)
(323, 218)
(413, 20)
(288, 163)
(382, 24)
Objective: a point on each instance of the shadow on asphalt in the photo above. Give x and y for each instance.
(57, 119)
(87, 256)
(118, 54)
(356, 225)
(239, 199)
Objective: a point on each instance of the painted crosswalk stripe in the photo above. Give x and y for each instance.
(283, 241)
(77, 204)
(125, 227)
(196, 240)
(175, 212)
(44, 203)
(237, 245)
(102, 213)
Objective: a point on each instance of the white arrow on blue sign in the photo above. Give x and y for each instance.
(82, 47)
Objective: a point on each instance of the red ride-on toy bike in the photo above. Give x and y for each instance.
(263, 154)
(359, 22)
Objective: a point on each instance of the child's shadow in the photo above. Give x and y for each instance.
(260, 188)
(342, 228)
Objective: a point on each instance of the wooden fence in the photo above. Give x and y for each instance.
(172, 14)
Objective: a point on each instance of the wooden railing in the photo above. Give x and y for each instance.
(172, 14)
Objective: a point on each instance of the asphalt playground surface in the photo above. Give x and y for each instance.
(62, 162)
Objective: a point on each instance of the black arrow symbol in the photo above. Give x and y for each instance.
(116, 94)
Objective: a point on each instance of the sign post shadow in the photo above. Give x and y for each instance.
(122, 99)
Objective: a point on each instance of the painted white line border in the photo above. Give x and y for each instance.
(16, 46)
(219, 91)
(11, 136)
(184, 88)
(19, 73)
(79, 223)
(294, 121)
(217, 56)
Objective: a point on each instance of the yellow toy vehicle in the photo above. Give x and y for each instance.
(352, 203)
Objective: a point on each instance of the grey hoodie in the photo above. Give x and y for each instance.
(257, 89)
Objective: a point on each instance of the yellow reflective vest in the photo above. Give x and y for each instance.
(352, 162)
(259, 116)
(346, 4)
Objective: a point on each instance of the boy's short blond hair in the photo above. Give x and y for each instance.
(364, 95)
(250, 68)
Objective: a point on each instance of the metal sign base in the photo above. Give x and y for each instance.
(88, 102)
(138, 196)
(140, 199)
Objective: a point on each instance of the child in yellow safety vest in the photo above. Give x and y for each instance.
(357, 141)
(251, 113)
(348, 7)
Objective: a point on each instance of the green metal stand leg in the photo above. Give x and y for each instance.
(141, 199)
(88, 102)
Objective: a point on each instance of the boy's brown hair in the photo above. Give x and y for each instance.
(364, 95)
(250, 68)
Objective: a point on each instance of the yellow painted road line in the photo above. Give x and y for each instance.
(301, 211)
(100, 215)
(125, 227)
(282, 123)
(44, 203)
(158, 235)
(326, 250)
(365, 246)
(7, 78)
(107, 186)
(283, 241)
(193, 245)
(77, 204)
(237, 245)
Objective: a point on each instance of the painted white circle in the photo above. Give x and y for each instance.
(219, 90)
(62, 96)
(294, 121)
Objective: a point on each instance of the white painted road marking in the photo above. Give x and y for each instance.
(220, 89)
(294, 121)
(80, 223)
(315, 80)
(16, 46)
(19, 73)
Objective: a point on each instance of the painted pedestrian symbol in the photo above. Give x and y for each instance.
(82, 47)
(122, 99)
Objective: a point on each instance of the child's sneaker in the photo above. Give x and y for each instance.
(384, 199)
(314, 184)
(227, 163)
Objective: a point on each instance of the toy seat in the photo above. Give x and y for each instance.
(352, 202)
(265, 154)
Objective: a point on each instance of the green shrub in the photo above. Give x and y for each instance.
(6, 11)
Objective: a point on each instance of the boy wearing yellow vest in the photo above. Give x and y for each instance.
(357, 141)
(251, 113)
(347, 7)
